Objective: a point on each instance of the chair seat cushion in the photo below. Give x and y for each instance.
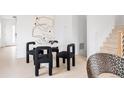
(64, 54)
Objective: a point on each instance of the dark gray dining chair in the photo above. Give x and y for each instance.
(31, 51)
(43, 58)
(70, 53)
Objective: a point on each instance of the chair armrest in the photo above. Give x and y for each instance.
(28, 44)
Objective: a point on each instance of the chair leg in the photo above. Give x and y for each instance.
(52, 61)
(35, 62)
(39, 66)
(27, 58)
(64, 60)
(57, 61)
(36, 70)
(73, 61)
(68, 64)
(50, 69)
(52, 64)
(34, 59)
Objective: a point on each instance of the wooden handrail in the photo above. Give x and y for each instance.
(120, 43)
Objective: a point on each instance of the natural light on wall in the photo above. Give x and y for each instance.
(13, 29)
(0, 34)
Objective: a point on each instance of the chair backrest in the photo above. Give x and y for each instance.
(105, 63)
(43, 48)
(53, 41)
(28, 44)
(69, 47)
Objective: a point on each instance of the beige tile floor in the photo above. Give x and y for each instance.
(18, 68)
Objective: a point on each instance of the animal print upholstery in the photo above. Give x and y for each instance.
(105, 63)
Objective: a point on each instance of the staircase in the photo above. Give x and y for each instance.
(111, 44)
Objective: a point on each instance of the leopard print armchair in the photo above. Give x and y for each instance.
(105, 63)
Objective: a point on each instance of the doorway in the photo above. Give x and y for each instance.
(7, 38)
(8, 32)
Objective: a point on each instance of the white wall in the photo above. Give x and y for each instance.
(67, 31)
(65, 28)
(75, 32)
(82, 31)
(71, 29)
(119, 20)
(24, 34)
(84, 25)
(79, 29)
(98, 28)
(0, 31)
